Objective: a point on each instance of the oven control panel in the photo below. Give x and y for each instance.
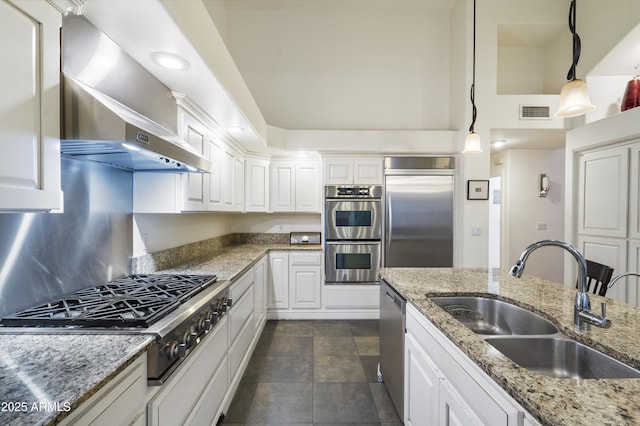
(362, 191)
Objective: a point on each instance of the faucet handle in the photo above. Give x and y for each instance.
(603, 306)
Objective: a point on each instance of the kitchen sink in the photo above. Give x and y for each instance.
(489, 316)
(561, 357)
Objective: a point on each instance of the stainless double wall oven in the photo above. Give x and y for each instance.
(353, 233)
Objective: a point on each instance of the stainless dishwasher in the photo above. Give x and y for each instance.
(392, 329)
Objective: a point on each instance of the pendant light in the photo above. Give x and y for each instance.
(574, 96)
(472, 143)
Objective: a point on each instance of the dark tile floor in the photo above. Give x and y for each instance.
(314, 372)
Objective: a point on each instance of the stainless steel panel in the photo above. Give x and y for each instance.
(418, 221)
(352, 261)
(392, 328)
(44, 256)
(364, 217)
(419, 163)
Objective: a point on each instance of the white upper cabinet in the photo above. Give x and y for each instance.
(232, 180)
(196, 185)
(30, 107)
(295, 186)
(353, 171)
(307, 188)
(256, 185)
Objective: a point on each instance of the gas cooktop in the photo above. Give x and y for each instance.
(132, 301)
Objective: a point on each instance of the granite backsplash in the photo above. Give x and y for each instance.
(170, 258)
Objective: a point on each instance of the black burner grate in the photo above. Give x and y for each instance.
(133, 301)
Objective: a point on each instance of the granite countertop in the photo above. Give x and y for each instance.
(43, 377)
(552, 401)
(234, 261)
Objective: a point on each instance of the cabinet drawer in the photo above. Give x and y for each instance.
(210, 404)
(238, 350)
(237, 289)
(306, 259)
(239, 314)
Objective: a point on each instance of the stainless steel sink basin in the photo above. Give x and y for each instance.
(494, 317)
(561, 358)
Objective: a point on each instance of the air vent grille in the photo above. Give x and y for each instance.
(534, 112)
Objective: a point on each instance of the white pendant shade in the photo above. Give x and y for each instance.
(574, 100)
(472, 144)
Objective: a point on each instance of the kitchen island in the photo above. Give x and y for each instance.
(552, 401)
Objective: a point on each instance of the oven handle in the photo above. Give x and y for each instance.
(354, 242)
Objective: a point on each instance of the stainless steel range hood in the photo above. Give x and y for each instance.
(115, 111)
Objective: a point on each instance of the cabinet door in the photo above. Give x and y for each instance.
(631, 283)
(367, 171)
(338, 171)
(195, 184)
(307, 195)
(238, 184)
(30, 106)
(282, 190)
(634, 195)
(421, 381)
(216, 189)
(257, 185)
(603, 193)
(608, 251)
(305, 286)
(228, 179)
(452, 408)
(278, 292)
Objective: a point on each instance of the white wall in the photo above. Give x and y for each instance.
(524, 210)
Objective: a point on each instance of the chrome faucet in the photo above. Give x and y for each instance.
(582, 314)
(626, 274)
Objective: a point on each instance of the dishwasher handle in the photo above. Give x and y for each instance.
(395, 298)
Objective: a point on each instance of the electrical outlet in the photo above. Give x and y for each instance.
(541, 226)
(476, 231)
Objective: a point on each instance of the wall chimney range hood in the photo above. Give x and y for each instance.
(114, 111)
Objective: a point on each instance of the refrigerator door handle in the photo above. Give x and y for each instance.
(388, 228)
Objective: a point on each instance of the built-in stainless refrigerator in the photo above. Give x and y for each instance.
(418, 211)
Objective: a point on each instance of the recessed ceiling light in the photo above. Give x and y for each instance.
(170, 61)
(498, 144)
(236, 129)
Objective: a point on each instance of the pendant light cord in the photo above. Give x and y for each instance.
(571, 75)
(474, 110)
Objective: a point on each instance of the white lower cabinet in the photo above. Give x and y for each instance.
(120, 402)
(421, 383)
(261, 271)
(444, 387)
(295, 284)
(278, 291)
(305, 279)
